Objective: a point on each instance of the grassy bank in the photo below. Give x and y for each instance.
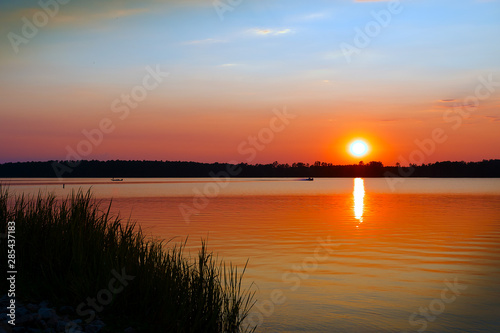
(71, 250)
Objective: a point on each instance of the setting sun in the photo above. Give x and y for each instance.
(358, 148)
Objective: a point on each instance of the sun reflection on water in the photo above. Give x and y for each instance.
(359, 195)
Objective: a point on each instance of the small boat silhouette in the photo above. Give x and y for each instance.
(310, 179)
(117, 179)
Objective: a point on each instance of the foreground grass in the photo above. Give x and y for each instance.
(67, 251)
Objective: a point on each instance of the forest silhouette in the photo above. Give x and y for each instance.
(153, 169)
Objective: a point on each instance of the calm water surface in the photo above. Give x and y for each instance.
(333, 255)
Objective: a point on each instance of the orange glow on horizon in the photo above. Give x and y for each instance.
(377, 148)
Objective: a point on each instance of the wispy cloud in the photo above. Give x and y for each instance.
(262, 31)
(310, 17)
(270, 32)
(284, 31)
(492, 118)
(449, 103)
(315, 16)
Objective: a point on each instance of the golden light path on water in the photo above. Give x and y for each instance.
(359, 195)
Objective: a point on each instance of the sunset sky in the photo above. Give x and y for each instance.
(387, 72)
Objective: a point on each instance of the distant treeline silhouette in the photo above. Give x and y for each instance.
(129, 169)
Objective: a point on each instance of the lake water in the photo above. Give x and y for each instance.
(334, 254)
